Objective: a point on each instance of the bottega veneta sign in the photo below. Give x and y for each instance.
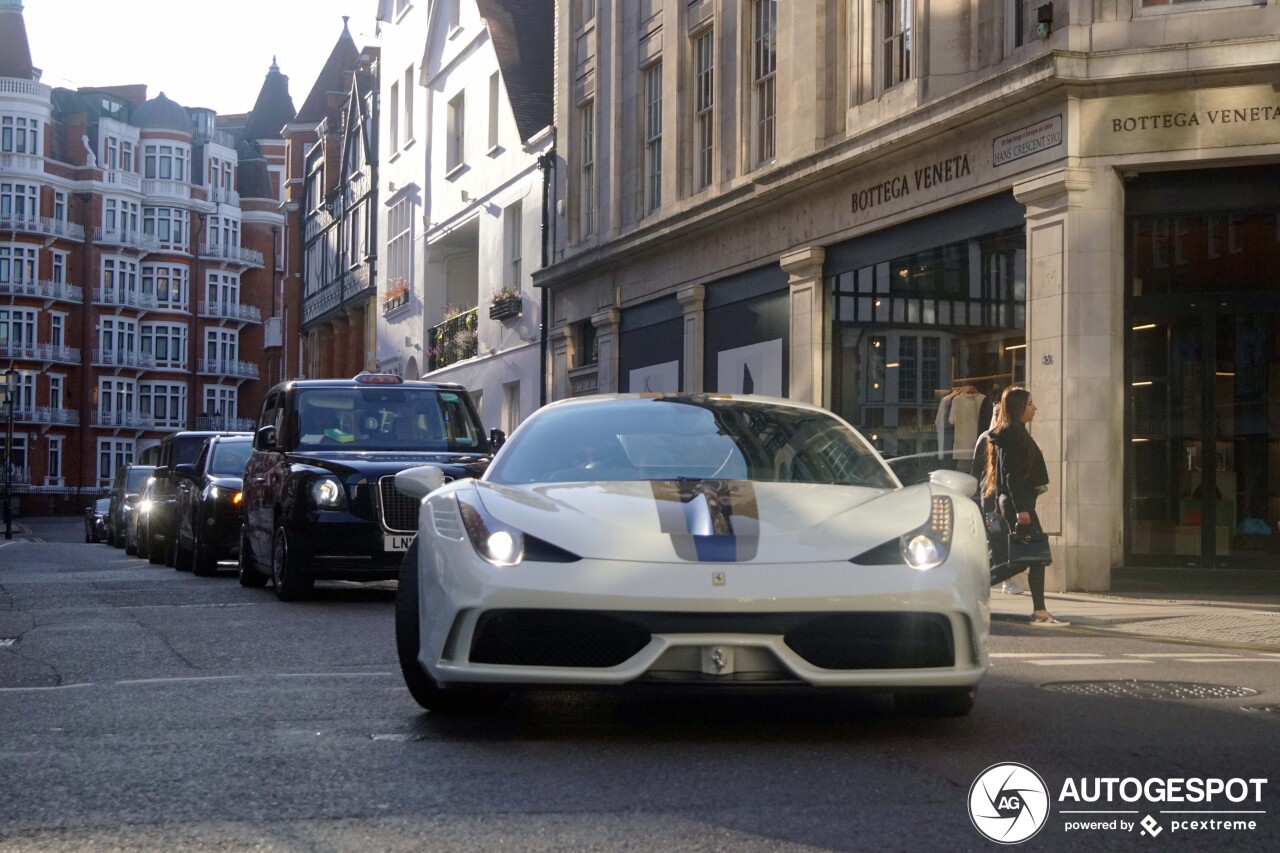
(1195, 120)
(900, 186)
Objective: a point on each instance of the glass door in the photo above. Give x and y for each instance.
(1204, 452)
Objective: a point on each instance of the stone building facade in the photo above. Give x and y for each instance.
(895, 209)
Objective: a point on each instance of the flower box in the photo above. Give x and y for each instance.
(394, 301)
(503, 308)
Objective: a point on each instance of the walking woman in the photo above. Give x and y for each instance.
(1016, 476)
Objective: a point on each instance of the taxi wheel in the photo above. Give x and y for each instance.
(181, 556)
(249, 574)
(288, 575)
(425, 690)
(154, 555)
(141, 546)
(203, 558)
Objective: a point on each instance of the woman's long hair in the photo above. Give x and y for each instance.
(1013, 403)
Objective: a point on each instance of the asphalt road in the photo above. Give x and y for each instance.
(147, 709)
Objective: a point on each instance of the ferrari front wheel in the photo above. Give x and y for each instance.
(426, 690)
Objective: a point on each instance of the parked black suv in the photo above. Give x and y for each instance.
(208, 508)
(125, 489)
(162, 519)
(320, 500)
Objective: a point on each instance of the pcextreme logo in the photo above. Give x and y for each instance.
(1008, 803)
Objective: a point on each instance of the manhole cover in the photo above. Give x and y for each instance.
(1151, 689)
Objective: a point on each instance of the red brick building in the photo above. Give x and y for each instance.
(139, 242)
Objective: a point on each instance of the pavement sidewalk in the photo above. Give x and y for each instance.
(1253, 623)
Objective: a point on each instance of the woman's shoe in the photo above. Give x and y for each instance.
(1048, 622)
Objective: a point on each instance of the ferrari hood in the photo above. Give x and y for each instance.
(709, 520)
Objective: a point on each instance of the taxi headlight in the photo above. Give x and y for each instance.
(144, 507)
(327, 493)
(928, 545)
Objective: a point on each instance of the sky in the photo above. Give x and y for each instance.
(213, 54)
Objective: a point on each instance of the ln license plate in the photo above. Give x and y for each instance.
(397, 541)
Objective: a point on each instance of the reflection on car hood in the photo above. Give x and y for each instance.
(224, 481)
(709, 520)
(367, 463)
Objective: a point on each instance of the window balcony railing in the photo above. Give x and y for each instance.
(225, 422)
(239, 254)
(31, 164)
(21, 86)
(231, 311)
(355, 283)
(126, 237)
(223, 138)
(454, 340)
(55, 290)
(40, 352)
(126, 298)
(224, 195)
(123, 358)
(162, 188)
(42, 225)
(228, 367)
(124, 180)
(131, 420)
(46, 415)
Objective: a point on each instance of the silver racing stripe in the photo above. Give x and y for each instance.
(709, 521)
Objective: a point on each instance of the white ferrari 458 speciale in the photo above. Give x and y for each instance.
(709, 540)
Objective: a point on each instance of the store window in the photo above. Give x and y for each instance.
(924, 342)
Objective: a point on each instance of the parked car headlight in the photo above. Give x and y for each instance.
(929, 544)
(144, 506)
(327, 493)
(500, 544)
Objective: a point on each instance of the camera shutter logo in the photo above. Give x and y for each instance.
(1008, 803)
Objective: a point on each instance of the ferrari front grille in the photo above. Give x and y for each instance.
(399, 511)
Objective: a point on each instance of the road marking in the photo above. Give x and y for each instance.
(1088, 662)
(1220, 660)
(44, 687)
(1181, 655)
(1044, 655)
(6, 544)
(190, 679)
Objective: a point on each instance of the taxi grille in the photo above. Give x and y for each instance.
(399, 511)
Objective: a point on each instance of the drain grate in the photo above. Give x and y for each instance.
(1134, 689)
(1270, 709)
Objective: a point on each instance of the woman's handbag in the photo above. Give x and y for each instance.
(1029, 549)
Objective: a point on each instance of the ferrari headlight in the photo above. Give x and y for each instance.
(327, 493)
(928, 545)
(500, 544)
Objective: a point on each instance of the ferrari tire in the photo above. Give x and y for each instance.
(956, 702)
(249, 574)
(425, 690)
(288, 574)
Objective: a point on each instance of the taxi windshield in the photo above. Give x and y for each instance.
(378, 417)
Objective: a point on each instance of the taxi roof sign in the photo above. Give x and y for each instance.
(378, 378)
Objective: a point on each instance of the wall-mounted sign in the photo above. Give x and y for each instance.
(1026, 141)
(927, 177)
(1199, 119)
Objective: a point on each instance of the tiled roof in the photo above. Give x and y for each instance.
(273, 109)
(523, 33)
(342, 58)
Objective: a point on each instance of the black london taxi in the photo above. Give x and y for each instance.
(320, 501)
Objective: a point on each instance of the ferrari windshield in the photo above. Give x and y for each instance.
(695, 437)
(381, 417)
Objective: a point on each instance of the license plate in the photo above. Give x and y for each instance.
(397, 541)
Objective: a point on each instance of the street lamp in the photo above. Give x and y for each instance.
(10, 389)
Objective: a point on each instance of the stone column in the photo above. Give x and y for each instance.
(561, 344)
(1075, 366)
(606, 323)
(355, 353)
(691, 301)
(807, 379)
